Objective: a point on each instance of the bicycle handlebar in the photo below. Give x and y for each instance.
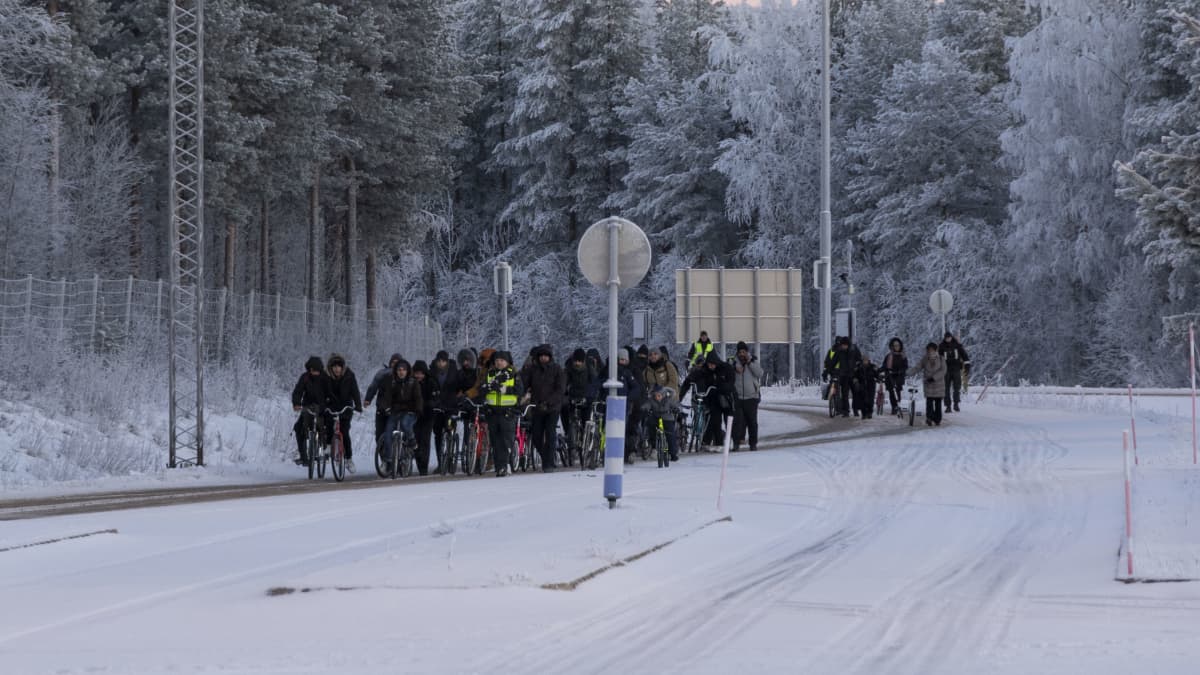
(529, 407)
(341, 412)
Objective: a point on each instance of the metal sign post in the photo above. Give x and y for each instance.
(941, 302)
(614, 253)
(502, 281)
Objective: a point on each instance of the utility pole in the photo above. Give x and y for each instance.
(826, 199)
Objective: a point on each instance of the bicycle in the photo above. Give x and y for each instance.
(476, 448)
(337, 461)
(315, 448)
(448, 449)
(525, 457)
(699, 420)
(575, 437)
(835, 398)
(661, 449)
(593, 438)
(404, 454)
(912, 390)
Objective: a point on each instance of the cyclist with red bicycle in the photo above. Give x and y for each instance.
(344, 393)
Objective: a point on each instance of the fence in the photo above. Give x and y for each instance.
(97, 315)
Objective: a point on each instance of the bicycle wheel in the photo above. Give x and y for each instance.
(467, 451)
(833, 403)
(450, 452)
(337, 462)
(645, 448)
(912, 412)
(407, 457)
(312, 453)
(380, 467)
(564, 453)
(660, 447)
(397, 450)
(321, 459)
(586, 458)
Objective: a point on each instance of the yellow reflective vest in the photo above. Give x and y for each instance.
(507, 396)
(700, 351)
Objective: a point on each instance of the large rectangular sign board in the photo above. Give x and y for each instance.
(759, 306)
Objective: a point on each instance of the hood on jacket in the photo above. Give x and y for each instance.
(507, 356)
(314, 363)
(466, 355)
(420, 367)
(442, 355)
(393, 359)
(643, 351)
(579, 355)
(894, 341)
(543, 350)
(593, 353)
(336, 359)
(712, 358)
(402, 364)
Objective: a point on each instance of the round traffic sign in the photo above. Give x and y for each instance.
(633, 253)
(941, 302)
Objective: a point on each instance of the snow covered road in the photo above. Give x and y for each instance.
(985, 546)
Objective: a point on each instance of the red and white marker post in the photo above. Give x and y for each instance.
(724, 466)
(1133, 426)
(1128, 507)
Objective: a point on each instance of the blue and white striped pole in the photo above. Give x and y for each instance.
(614, 449)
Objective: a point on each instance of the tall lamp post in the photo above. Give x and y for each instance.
(826, 206)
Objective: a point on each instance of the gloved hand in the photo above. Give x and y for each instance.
(825, 376)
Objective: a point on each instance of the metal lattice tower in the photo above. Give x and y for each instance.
(187, 233)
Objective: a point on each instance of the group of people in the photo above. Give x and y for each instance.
(942, 368)
(419, 398)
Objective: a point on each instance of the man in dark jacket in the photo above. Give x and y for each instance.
(546, 386)
(405, 404)
(747, 385)
(313, 394)
(579, 381)
(866, 377)
(344, 393)
(699, 351)
(894, 370)
(376, 388)
(631, 389)
(424, 425)
(715, 380)
(840, 365)
(442, 377)
(956, 358)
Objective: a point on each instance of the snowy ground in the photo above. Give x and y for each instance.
(986, 546)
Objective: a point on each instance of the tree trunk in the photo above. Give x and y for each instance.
(350, 247)
(231, 232)
(372, 300)
(314, 237)
(264, 247)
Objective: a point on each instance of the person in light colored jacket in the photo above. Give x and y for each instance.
(932, 368)
(747, 383)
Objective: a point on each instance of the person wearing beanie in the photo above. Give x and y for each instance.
(622, 355)
(957, 361)
(575, 408)
(747, 379)
(545, 387)
(502, 392)
(312, 394)
(442, 377)
(344, 393)
(714, 380)
(699, 350)
(404, 403)
(375, 389)
(424, 426)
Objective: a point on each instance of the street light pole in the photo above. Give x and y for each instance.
(826, 207)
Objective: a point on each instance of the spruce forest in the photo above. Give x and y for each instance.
(1039, 159)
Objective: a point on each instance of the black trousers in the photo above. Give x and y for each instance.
(933, 410)
(439, 421)
(953, 384)
(325, 428)
(845, 385)
(895, 387)
(502, 431)
(422, 429)
(380, 424)
(543, 428)
(745, 418)
(346, 444)
(714, 433)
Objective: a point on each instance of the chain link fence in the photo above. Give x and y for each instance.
(98, 316)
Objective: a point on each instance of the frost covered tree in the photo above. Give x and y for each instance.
(879, 35)
(1071, 76)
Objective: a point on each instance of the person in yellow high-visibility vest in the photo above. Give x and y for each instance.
(699, 350)
(502, 390)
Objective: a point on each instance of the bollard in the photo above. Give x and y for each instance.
(1133, 426)
(614, 449)
(1128, 506)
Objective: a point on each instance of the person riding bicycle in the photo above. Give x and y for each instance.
(502, 391)
(661, 372)
(545, 386)
(894, 369)
(442, 379)
(313, 390)
(631, 389)
(375, 389)
(579, 381)
(405, 404)
(956, 359)
(663, 404)
(699, 351)
(424, 425)
(598, 370)
(343, 393)
(839, 367)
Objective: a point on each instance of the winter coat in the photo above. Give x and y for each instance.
(546, 384)
(933, 374)
(895, 364)
(662, 374)
(666, 408)
(404, 396)
(312, 390)
(598, 372)
(747, 379)
(866, 377)
(443, 383)
(840, 363)
(720, 378)
(579, 380)
(344, 391)
(631, 388)
(376, 389)
(954, 354)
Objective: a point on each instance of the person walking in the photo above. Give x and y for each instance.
(956, 359)
(895, 368)
(501, 392)
(747, 382)
(839, 369)
(866, 378)
(699, 350)
(343, 386)
(932, 368)
(717, 376)
(546, 387)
